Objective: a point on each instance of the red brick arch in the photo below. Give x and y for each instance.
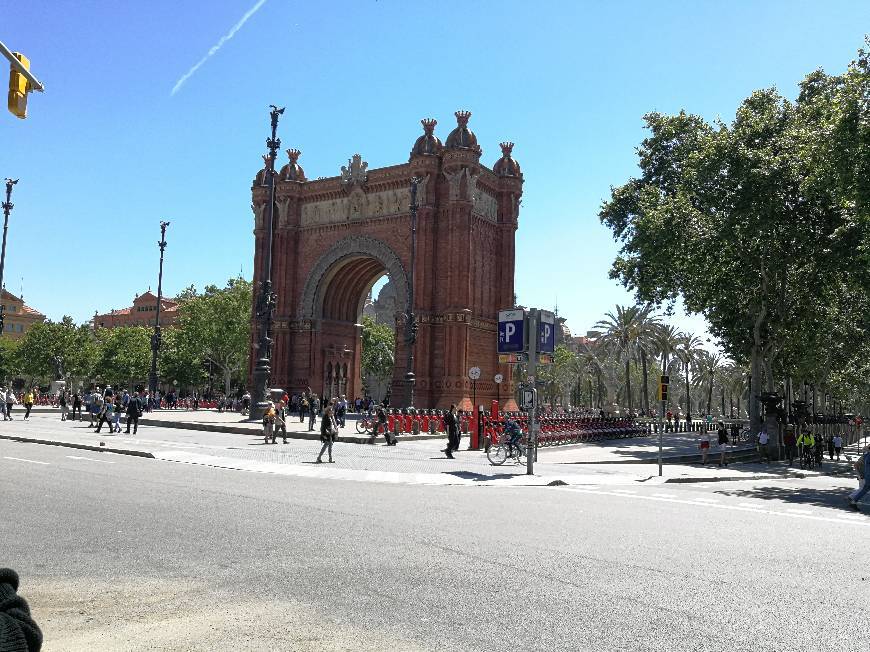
(335, 237)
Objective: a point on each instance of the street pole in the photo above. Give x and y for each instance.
(661, 428)
(533, 371)
(156, 337)
(7, 208)
(266, 302)
(410, 319)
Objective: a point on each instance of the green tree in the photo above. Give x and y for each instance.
(9, 358)
(44, 344)
(179, 361)
(124, 357)
(378, 350)
(688, 349)
(216, 326)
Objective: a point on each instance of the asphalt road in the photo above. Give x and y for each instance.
(124, 553)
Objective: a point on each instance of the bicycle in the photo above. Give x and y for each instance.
(808, 457)
(365, 424)
(498, 453)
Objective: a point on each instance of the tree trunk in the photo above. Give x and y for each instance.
(628, 383)
(710, 397)
(688, 397)
(754, 403)
(645, 381)
(228, 375)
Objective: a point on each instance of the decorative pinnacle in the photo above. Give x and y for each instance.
(506, 149)
(428, 124)
(462, 117)
(293, 155)
(266, 158)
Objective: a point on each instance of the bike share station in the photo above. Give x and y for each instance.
(526, 337)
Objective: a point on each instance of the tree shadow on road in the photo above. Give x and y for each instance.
(833, 498)
(480, 477)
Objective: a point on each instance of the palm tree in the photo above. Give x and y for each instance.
(708, 367)
(687, 351)
(627, 333)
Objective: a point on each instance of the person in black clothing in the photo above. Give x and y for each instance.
(18, 631)
(77, 405)
(134, 411)
(452, 423)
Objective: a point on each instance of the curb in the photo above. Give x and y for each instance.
(238, 430)
(87, 447)
(740, 455)
(800, 476)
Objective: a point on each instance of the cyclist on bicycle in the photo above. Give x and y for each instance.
(514, 433)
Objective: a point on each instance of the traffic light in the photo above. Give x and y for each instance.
(19, 87)
(664, 381)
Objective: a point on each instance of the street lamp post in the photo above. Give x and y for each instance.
(7, 208)
(410, 319)
(156, 337)
(266, 301)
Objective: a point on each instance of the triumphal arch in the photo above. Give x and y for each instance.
(335, 237)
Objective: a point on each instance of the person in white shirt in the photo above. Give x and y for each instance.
(838, 445)
(763, 440)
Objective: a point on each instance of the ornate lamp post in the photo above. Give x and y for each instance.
(410, 320)
(156, 337)
(7, 208)
(266, 300)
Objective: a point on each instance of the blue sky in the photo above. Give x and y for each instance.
(107, 152)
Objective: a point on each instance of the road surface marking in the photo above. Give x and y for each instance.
(625, 491)
(750, 505)
(89, 459)
(798, 511)
(843, 519)
(704, 499)
(21, 459)
(664, 495)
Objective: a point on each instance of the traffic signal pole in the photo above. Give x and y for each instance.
(533, 378)
(35, 84)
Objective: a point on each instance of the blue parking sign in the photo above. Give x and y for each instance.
(511, 331)
(546, 332)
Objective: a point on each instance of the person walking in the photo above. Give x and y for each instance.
(10, 402)
(704, 445)
(76, 405)
(452, 423)
(790, 443)
(723, 445)
(107, 411)
(830, 443)
(269, 424)
(303, 408)
(313, 409)
(281, 421)
(62, 402)
(28, 404)
(135, 406)
(341, 411)
(862, 467)
(119, 409)
(328, 432)
(838, 445)
(763, 440)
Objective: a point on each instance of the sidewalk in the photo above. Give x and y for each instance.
(411, 462)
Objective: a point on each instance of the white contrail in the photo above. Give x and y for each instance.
(217, 46)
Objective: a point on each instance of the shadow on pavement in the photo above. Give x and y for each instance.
(480, 477)
(834, 498)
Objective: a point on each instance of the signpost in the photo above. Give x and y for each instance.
(511, 331)
(498, 380)
(546, 331)
(474, 375)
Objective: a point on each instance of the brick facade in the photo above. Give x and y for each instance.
(334, 237)
(141, 313)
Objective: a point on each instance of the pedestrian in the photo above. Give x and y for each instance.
(723, 444)
(135, 407)
(341, 411)
(790, 443)
(116, 418)
(269, 424)
(303, 408)
(704, 445)
(313, 409)
(763, 441)
(246, 402)
(61, 401)
(107, 412)
(28, 403)
(281, 421)
(830, 443)
(838, 445)
(328, 433)
(10, 401)
(76, 405)
(452, 423)
(96, 406)
(862, 468)
(735, 431)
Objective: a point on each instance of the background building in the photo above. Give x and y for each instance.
(18, 317)
(141, 313)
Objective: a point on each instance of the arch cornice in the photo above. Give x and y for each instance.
(354, 246)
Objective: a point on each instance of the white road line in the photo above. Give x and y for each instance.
(751, 505)
(21, 459)
(89, 459)
(664, 495)
(625, 491)
(704, 499)
(842, 519)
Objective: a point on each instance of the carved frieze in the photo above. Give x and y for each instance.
(485, 204)
(358, 205)
(259, 219)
